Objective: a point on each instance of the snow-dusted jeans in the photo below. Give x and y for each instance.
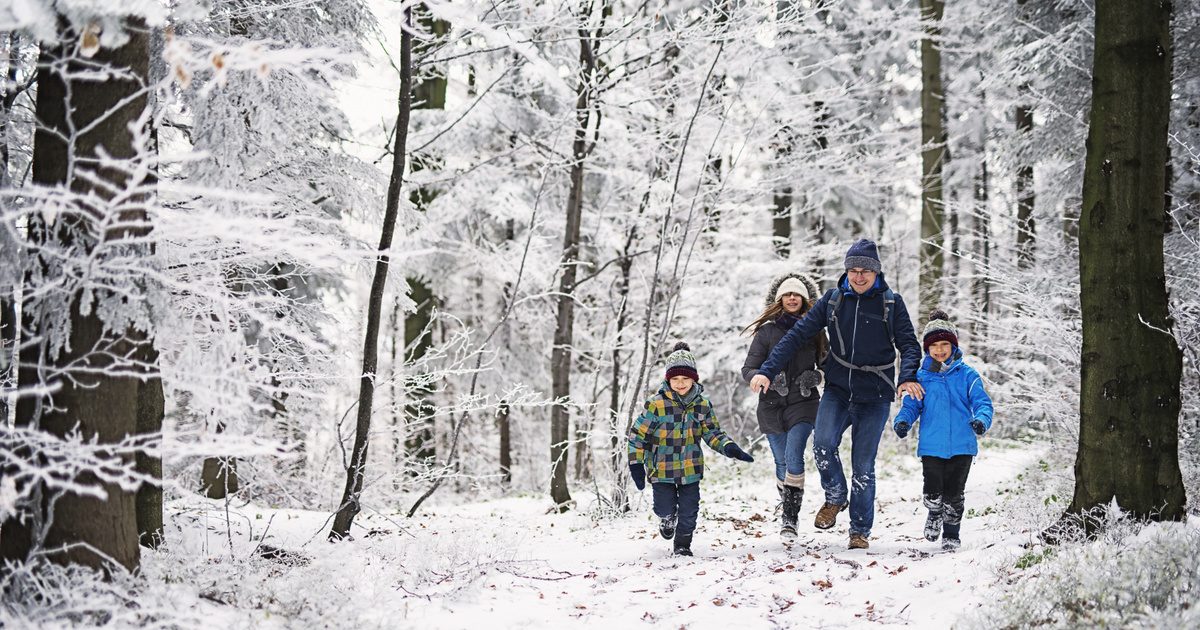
(788, 449)
(867, 419)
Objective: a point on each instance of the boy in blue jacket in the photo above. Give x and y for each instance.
(954, 412)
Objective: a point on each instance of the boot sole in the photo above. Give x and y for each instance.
(788, 534)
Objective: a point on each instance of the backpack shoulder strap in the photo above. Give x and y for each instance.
(889, 314)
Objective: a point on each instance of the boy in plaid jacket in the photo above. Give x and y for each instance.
(666, 438)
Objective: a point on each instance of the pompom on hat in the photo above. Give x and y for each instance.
(681, 362)
(939, 328)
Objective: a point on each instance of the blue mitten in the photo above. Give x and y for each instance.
(901, 429)
(736, 452)
(638, 472)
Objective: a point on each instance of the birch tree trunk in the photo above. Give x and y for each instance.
(1131, 363)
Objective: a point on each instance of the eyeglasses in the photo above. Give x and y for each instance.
(859, 272)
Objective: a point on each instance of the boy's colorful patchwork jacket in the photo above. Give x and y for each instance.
(667, 436)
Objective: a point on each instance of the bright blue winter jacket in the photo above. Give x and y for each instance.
(953, 398)
(867, 343)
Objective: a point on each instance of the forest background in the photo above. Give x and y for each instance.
(190, 252)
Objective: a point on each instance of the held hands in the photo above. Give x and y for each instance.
(912, 388)
(901, 429)
(638, 472)
(759, 384)
(736, 452)
(977, 427)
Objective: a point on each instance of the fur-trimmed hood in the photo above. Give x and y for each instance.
(814, 291)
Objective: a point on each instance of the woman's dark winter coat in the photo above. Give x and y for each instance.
(778, 414)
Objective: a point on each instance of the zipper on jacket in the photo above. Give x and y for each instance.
(853, 346)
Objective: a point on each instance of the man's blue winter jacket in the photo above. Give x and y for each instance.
(953, 398)
(865, 333)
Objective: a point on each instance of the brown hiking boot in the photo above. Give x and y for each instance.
(858, 541)
(827, 515)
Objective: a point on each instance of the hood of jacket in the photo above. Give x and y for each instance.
(814, 291)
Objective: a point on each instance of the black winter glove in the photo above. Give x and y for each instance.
(736, 452)
(977, 427)
(901, 429)
(638, 472)
(808, 381)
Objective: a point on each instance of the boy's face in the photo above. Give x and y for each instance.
(940, 350)
(681, 384)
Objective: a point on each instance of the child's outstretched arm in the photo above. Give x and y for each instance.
(910, 412)
(711, 432)
(980, 403)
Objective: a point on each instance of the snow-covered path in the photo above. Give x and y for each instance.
(509, 564)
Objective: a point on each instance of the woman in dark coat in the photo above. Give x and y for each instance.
(787, 410)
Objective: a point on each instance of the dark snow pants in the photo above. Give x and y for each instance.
(945, 483)
(683, 500)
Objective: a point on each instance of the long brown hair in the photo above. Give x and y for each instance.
(775, 309)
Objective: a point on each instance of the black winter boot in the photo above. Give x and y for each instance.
(666, 526)
(792, 498)
(683, 545)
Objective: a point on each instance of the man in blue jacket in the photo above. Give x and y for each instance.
(868, 327)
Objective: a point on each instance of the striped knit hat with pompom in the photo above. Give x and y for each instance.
(681, 362)
(939, 328)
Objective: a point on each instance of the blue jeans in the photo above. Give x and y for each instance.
(683, 500)
(834, 416)
(788, 449)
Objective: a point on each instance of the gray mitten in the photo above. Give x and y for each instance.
(779, 384)
(808, 381)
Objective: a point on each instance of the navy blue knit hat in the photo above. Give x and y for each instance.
(863, 255)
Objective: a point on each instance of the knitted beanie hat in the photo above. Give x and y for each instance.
(863, 255)
(939, 328)
(776, 290)
(681, 362)
(792, 285)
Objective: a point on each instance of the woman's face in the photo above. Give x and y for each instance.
(792, 302)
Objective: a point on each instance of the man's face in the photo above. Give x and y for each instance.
(861, 280)
(940, 350)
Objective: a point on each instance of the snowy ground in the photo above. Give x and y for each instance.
(509, 564)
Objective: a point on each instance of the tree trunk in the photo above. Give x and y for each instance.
(933, 157)
(502, 422)
(98, 403)
(219, 475)
(151, 406)
(564, 330)
(352, 492)
(8, 296)
(1131, 364)
(1025, 192)
(781, 222)
(429, 92)
(981, 289)
(8, 345)
(419, 442)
